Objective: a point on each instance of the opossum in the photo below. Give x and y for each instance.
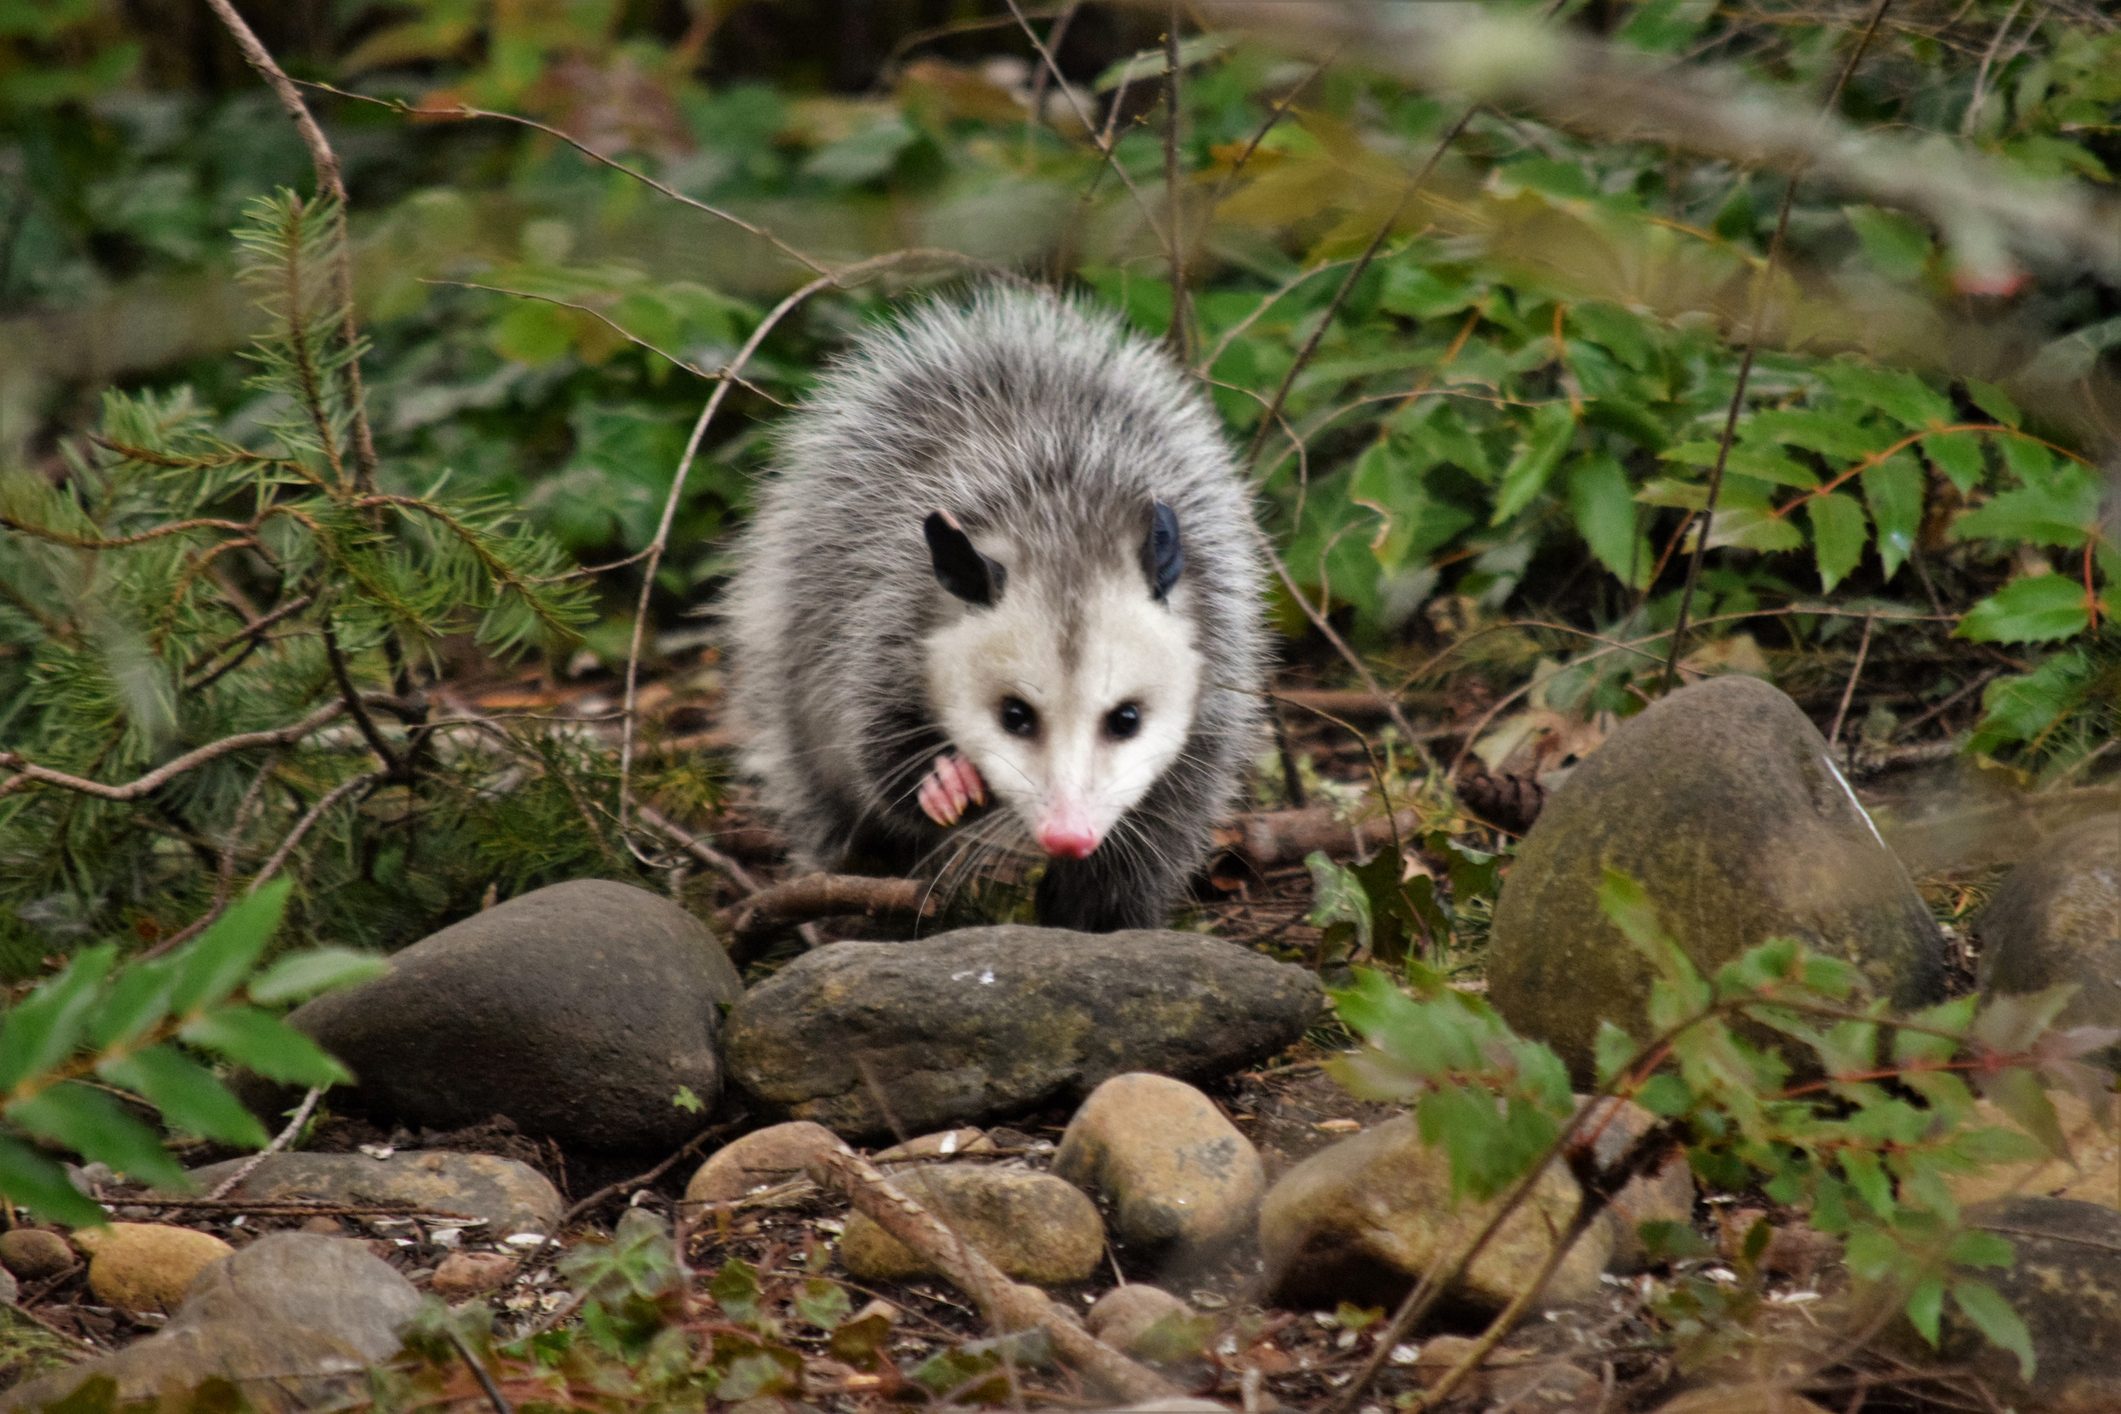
(1003, 551)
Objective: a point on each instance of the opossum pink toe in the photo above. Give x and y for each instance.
(935, 803)
(969, 778)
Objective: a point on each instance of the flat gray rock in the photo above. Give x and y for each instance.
(1721, 802)
(579, 1011)
(983, 1023)
(510, 1196)
(2066, 1286)
(293, 1319)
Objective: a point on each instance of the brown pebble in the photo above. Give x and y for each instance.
(464, 1274)
(323, 1226)
(34, 1254)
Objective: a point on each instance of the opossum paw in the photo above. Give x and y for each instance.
(950, 785)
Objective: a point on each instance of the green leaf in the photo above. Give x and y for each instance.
(1899, 395)
(304, 974)
(188, 1095)
(1897, 244)
(91, 1124)
(1925, 1307)
(37, 1183)
(1603, 506)
(2031, 609)
(532, 332)
(137, 1000)
(215, 963)
(1838, 535)
(264, 1043)
(43, 1029)
(1995, 402)
(1893, 490)
(2061, 508)
(1994, 1318)
(1959, 456)
(1553, 426)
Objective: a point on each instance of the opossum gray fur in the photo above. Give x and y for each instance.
(987, 509)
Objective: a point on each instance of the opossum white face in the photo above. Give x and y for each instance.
(1072, 699)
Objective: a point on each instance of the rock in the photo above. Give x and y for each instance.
(1123, 1315)
(2091, 1173)
(942, 1144)
(34, 1254)
(146, 1266)
(1033, 1226)
(510, 1196)
(760, 1159)
(2057, 919)
(579, 1011)
(1750, 1399)
(1179, 1178)
(988, 1022)
(1544, 1385)
(1365, 1218)
(2066, 1286)
(466, 1274)
(1665, 1193)
(10, 1289)
(294, 1319)
(1721, 802)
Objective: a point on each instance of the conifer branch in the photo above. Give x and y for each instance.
(28, 773)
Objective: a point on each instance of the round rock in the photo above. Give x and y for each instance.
(760, 1159)
(984, 1023)
(1179, 1178)
(1123, 1315)
(465, 1274)
(2057, 919)
(1033, 1226)
(2066, 1286)
(1664, 1192)
(34, 1254)
(579, 1011)
(509, 1196)
(146, 1266)
(1366, 1218)
(1721, 801)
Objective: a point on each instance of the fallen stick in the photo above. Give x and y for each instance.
(1277, 837)
(813, 896)
(1006, 1304)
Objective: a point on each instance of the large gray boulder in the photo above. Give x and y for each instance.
(1721, 801)
(579, 1011)
(293, 1321)
(975, 1025)
(2065, 1284)
(2057, 919)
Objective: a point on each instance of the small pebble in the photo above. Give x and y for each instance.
(464, 1274)
(34, 1254)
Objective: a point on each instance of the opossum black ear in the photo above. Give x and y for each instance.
(959, 566)
(1163, 555)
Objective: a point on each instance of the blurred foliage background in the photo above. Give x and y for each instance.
(1480, 456)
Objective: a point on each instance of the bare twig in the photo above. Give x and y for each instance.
(495, 1400)
(351, 696)
(280, 1141)
(1763, 283)
(1006, 1304)
(1848, 690)
(1103, 142)
(461, 112)
(1178, 337)
(811, 896)
(28, 773)
(1271, 838)
(326, 163)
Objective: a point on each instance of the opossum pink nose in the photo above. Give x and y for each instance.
(1065, 831)
(1070, 841)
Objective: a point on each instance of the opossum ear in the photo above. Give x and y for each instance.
(1163, 555)
(959, 566)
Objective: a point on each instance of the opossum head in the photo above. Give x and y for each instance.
(1072, 686)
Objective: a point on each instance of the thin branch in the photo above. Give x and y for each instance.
(329, 180)
(1763, 283)
(1848, 690)
(1107, 148)
(280, 1141)
(351, 696)
(813, 896)
(1179, 336)
(28, 773)
(1347, 286)
(461, 112)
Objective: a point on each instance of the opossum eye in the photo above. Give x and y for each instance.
(1017, 717)
(1123, 721)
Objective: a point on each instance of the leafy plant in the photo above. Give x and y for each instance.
(1777, 1073)
(102, 1027)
